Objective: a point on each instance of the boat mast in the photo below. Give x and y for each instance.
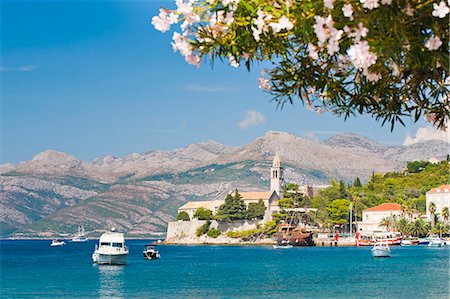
(351, 219)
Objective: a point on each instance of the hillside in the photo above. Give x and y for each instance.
(138, 193)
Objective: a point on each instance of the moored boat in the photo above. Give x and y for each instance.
(57, 242)
(80, 237)
(435, 242)
(111, 249)
(150, 252)
(294, 237)
(381, 250)
(282, 246)
(409, 242)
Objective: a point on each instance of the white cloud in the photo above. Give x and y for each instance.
(22, 68)
(252, 118)
(427, 133)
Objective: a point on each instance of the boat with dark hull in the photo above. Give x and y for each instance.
(294, 237)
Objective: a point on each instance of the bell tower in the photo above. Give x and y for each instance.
(276, 175)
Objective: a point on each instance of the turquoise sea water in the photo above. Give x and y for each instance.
(34, 269)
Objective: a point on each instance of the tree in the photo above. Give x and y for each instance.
(445, 214)
(339, 211)
(417, 166)
(214, 233)
(350, 57)
(203, 229)
(432, 210)
(203, 214)
(184, 216)
(232, 209)
(286, 202)
(402, 226)
(256, 210)
(386, 222)
(417, 228)
(357, 183)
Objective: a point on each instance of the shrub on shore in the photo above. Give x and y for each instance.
(184, 216)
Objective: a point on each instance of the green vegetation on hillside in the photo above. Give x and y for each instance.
(406, 188)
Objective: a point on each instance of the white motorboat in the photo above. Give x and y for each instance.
(57, 242)
(111, 249)
(150, 252)
(282, 246)
(80, 237)
(435, 242)
(409, 242)
(381, 250)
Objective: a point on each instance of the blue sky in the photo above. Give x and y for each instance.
(93, 78)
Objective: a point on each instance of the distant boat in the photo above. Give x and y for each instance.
(80, 235)
(57, 242)
(150, 252)
(282, 246)
(409, 242)
(435, 242)
(381, 250)
(111, 249)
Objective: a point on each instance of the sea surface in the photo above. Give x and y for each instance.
(33, 269)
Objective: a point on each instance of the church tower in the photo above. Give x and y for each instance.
(276, 175)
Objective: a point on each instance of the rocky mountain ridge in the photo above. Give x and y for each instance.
(138, 193)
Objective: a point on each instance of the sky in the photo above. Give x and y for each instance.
(94, 78)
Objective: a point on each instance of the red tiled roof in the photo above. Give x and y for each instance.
(389, 206)
(442, 189)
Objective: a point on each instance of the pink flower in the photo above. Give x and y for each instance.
(386, 2)
(347, 9)
(193, 59)
(440, 10)
(264, 83)
(370, 4)
(283, 23)
(433, 43)
(312, 51)
(360, 55)
(328, 4)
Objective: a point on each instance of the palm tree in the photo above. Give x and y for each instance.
(388, 222)
(417, 228)
(385, 222)
(402, 226)
(432, 210)
(444, 214)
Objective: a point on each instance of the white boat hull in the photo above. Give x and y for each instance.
(434, 244)
(378, 252)
(110, 259)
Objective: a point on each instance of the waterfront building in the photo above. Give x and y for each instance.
(440, 196)
(270, 198)
(371, 218)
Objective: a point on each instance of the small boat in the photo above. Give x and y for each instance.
(391, 241)
(150, 252)
(424, 241)
(57, 242)
(435, 242)
(282, 246)
(409, 242)
(381, 250)
(111, 249)
(79, 237)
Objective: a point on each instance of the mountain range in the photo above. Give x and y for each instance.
(54, 192)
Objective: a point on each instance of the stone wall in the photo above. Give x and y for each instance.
(184, 232)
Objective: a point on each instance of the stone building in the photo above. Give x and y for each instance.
(371, 218)
(268, 197)
(440, 196)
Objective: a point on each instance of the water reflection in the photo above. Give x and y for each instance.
(110, 281)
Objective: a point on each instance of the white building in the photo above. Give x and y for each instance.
(268, 197)
(371, 218)
(441, 198)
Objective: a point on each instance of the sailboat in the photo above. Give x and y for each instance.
(80, 235)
